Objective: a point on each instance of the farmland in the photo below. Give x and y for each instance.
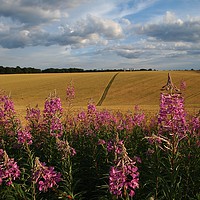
(97, 153)
(127, 89)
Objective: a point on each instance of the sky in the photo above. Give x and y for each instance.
(100, 34)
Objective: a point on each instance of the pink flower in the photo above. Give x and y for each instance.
(52, 117)
(52, 106)
(183, 85)
(56, 127)
(110, 146)
(101, 142)
(9, 169)
(70, 92)
(45, 177)
(91, 108)
(33, 117)
(8, 120)
(7, 104)
(65, 148)
(124, 176)
(24, 136)
(139, 116)
(172, 114)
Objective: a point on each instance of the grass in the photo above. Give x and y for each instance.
(128, 88)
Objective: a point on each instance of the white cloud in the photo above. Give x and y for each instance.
(131, 54)
(169, 18)
(103, 27)
(173, 29)
(91, 30)
(4, 28)
(27, 15)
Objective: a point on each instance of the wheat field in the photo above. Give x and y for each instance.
(127, 89)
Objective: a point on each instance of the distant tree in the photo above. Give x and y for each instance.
(2, 70)
(18, 70)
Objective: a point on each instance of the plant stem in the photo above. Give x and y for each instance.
(31, 163)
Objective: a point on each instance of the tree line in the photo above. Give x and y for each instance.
(28, 70)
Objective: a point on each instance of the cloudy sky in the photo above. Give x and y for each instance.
(159, 34)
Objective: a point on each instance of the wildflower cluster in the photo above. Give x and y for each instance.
(7, 106)
(194, 128)
(52, 116)
(172, 114)
(8, 121)
(139, 117)
(9, 169)
(64, 147)
(70, 93)
(52, 106)
(124, 176)
(33, 117)
(93, 120)
(45, 177)
(195, 124)
(110, 146)
(24, 136)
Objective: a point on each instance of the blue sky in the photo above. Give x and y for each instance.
(158, 34)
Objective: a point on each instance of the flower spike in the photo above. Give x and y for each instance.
(170, 86)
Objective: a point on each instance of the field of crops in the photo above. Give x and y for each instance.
(127, 90)
(94, 153)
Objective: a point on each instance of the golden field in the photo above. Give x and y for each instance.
(128, 88)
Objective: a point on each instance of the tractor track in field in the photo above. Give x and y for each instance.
(106, 90)
(192, 95)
